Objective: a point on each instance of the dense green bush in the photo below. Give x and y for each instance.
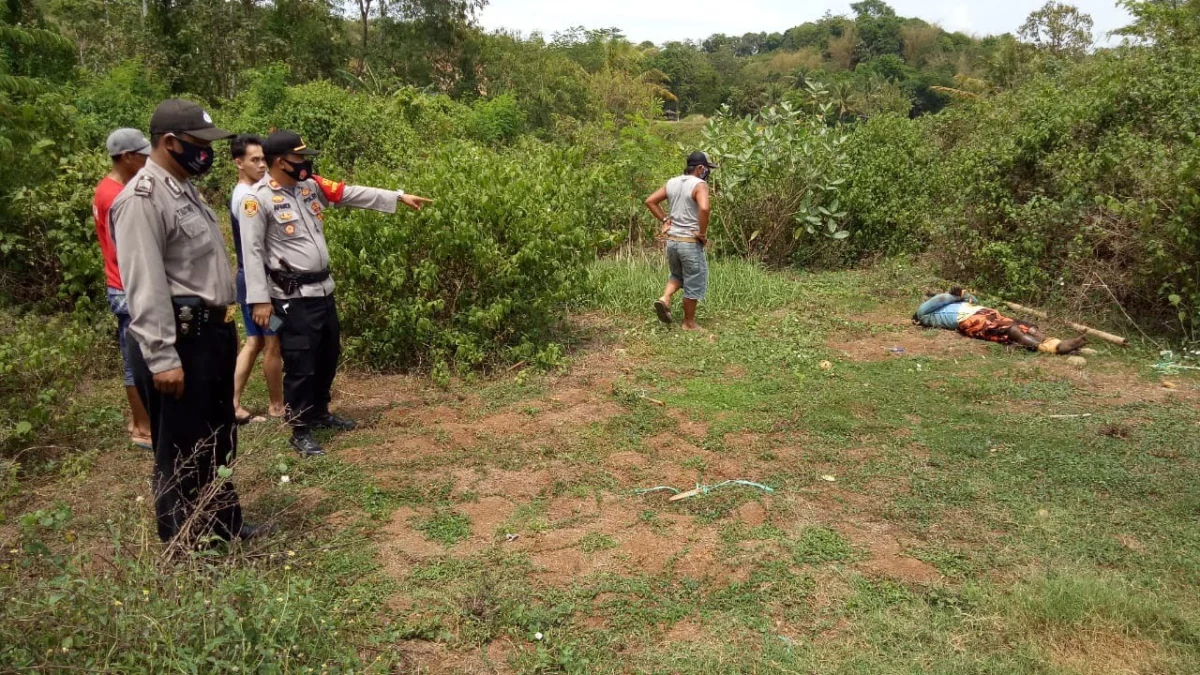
(892, 166)
(485, 271)
(498, 120)
(778, 188)
(1079, 188)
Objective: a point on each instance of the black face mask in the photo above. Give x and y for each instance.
(704, 171)
(300, 170)
(194, 158)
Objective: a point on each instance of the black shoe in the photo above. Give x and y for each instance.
(249, 532)
(306, 445)
(331, 421)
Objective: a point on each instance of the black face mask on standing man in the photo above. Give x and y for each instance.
(300, 170)
(196, 159)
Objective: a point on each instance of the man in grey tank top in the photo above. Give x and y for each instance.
(686, 232)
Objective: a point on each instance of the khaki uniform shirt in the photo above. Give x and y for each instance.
(288, 224)
(168, 244)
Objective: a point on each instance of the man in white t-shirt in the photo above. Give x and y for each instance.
(686, 231)
(247, 154)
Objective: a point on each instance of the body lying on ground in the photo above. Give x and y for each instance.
(959, 311)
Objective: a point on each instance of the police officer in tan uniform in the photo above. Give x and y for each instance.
(287, 275)
(180, 290)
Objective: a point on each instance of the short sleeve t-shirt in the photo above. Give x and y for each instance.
(106, 191)
(240, 192)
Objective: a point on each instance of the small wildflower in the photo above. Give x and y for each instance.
(145, 591)
(117, 603)
(287, 568)
(285, 479)
(13, 551)
(291, 554)
(279, 599)
(140, 499)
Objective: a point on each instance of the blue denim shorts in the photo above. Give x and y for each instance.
(252, 329)
(689, 267)
(120, 308)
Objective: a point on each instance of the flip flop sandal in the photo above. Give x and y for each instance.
(258, 419)
(141, 443)
(663, 311)
(243, 421)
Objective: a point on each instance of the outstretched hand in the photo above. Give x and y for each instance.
(414, 202)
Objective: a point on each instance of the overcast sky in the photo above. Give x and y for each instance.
(660, 21)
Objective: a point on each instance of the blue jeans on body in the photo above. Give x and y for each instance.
(689, 267)
(120, 308)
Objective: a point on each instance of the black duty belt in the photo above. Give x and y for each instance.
(291, 282)
(191, 315)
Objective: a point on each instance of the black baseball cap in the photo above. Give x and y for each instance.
(284, 142)
(701, 159)
(176, 115)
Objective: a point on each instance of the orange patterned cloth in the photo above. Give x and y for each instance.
(988, 324)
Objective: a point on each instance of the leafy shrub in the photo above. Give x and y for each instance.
(1080, 188)
(345, 126)
(481, 274)
(779, 179)
(498, 120)
(890, 193)
(55, 235)
(41, 361)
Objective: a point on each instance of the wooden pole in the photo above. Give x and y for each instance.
(1086, 330)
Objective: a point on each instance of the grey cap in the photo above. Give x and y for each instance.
(122, 141)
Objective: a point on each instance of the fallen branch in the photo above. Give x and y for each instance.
(1086, 330)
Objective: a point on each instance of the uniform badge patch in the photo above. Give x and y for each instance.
(144, 186)
(316, 208)
(305, 192)
(277, 199)
(290, 230)
(250, 207)
(174, 186)
(285, 216)
(274, 184)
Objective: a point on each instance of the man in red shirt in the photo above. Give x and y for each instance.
(128, 149)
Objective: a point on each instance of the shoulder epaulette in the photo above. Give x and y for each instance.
(144, 186)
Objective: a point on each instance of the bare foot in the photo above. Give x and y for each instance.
(1068, 346)
(241, 414)
(692, 327)
(276, 412)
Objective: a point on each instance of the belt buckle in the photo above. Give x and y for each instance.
(230, 312)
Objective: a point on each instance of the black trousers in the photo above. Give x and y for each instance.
(195, 435)
(311, 342)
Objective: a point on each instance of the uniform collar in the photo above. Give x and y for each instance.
(176, 187)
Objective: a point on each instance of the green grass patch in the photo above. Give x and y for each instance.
(446, 527)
